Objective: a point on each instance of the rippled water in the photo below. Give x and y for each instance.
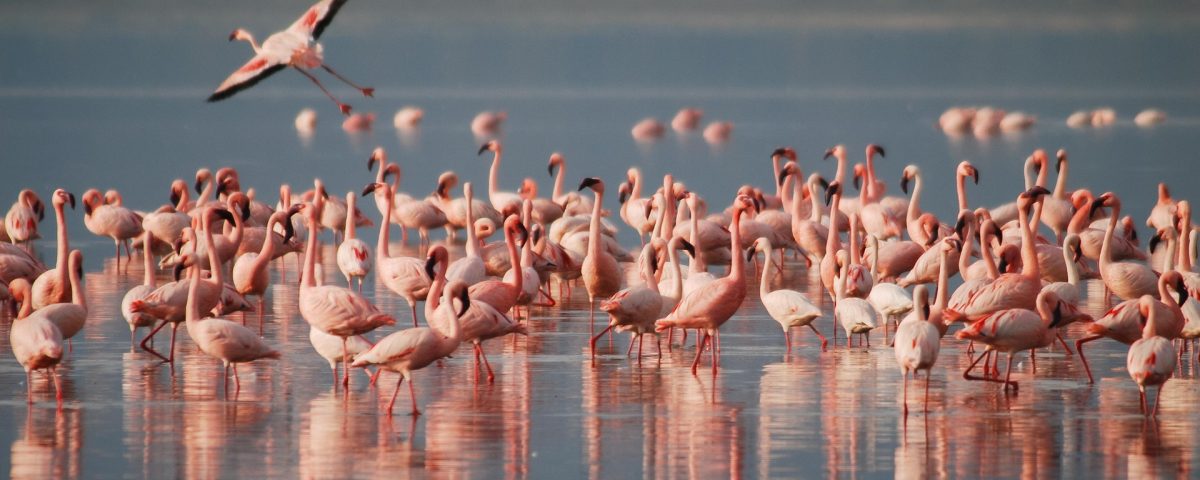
(112, 98)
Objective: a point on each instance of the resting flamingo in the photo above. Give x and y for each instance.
(415, 348)
(710, 306)
(36, 343)
(21, 221)
(294, 47)
(918, 342)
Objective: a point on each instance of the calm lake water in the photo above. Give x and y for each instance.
(111, 97)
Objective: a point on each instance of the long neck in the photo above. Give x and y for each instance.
(214, 262)
(60, 265)
(77, 294)
(1043, 173)
(192, 309)
(737, 264)
(381, 246)
(764, 284)
(205, 194)
(985, 251)
(815, 214)
(493, 176)
(184, 198)
(472, 242)
(593, 227)
(832, 242)
(433, 300)
(1028, 251)
(677, 282)
(1080, 220)
(696, 264)
(1185, 244)
(1106, 247)
(637, 186)
(855, 255)
(308, 277)
(238, 228)
(668, 212)
(1027, 170)
(871, 186)
(874, 256)
(775, 168)
(348, 234)
(784, 192)
(518, 274)
(943, 283)
(968, 247)
(268, 249)
(1060, 184)
(1169, 259)
(914, 204)
(961, 185)
(558, 181)
(147, 261)
(841, 168)
(797, 200)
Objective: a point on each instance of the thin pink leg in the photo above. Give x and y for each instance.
(394, 392)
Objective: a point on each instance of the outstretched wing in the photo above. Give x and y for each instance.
(252, 72)
(318, 16)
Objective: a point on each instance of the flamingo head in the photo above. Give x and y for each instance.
(965, 218)
(202, 175)
(873, 149)
(241, 34)
(622, 193)
(62, 197)
(910, 172)
(784, 152)
(437, 256)
(489, 146)
(378, 155)
(860, 172)
(596, 184)
(1106, 199)
(91, 199)
(789, 168)
(744, 203)
(837, 151)
(528, 189)
(687, 246)
(1060, 159)
(834, 189)
(966, 169)
(556, 160)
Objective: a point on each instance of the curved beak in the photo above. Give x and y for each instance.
(429, 264)
(466, 302)
(482, 148)
(904, 183)
(828, 153)
(691, 249)
(71, 199)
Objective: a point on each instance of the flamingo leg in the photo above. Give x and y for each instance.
(150, 337)
(1153, 413)
(904, 397)
(174, 330)
(1007, 373)
(58, 396)
(699, 352)
(394, 393)
(1064, 344)
(641, 340)
(366, 91)
(491, 377)
(237, 381)
(1032, 359)
(345, 365)
(412, 392)
(632, 340)
(822, 337)
(1079, 348)
(413, 306)
(597, 338)
(787, 340)
(928, 373)
(592, 322)
(29, 387)
(333, 369)
(967, 373)
(341, 106)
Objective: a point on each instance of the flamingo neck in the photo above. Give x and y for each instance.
(696, 265)
(348, 233)
(1106, 247)
(184, 199)
(192, 308)
(214, 262)
(77, 295)
(1168, 261)
(737, 264)
(514, 260)
(636, 193)
(873, 188)
(985, 251)
(673, 257)
(1060, 184)
(668, 214)
(1043, 173)
(779, 188)
(1080, 220)
(147, 260)
(961, 186)
(841, 168)
(764, 284)
(964, 257)
(1026, 170)
(433, 300)
(943, 283)
(493, 175)
(797, 200)
(1028, 251)
(874, 256)
(855, 255)
(381, 246)
(832, 240)
(593, 227)
(559, 178)
(205, 194)
(268, 249)
(60, 265)
(784, 192)
(308, 277)
(472, 245)
(914, 204)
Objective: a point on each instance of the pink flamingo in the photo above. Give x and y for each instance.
(229, 342)
(294, 47)
(507, 203)
(487, 123)
(69, 317)
(788, 307)
(469, 269)
(1057, 208)
(1124, 322)
(856, 315)
(140, 292)
(1162, 214)
(1128, 280)
(21, 221)
(404, 276)
(36, 343)
(112, 221)
(504, 294)
(353, 255)
(601, 274)
(415, 348)
(53, 286)
(686, 119)
(334, 310)
(329, 347)
(1151, 359)
(710, 306)
(1014, 330)
(635, 308)
(250, 274)
(918, 342)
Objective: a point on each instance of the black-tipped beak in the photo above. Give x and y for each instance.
(369, 188)
(1037, 191)
(1003, 265)
(199, 185)
(1058, 316)
(175, 198)
(1096, 205)
(828, 153)
(691, 249)
(877, 149)
(1182, 289)
(429, 264)
(588, 182)
(465, 298)
(823, 182)
(622, 196)
(975, 174)
(482, 148)
(857, 182)
(904, 184)
(220, 189)
(778, 152)
(41, 209)
(232, 35)
(87, 208)
(1155, 240)
(523, 233)
(550, 169)
(750, 254)
(246, 211)
(224, 214)
(371, 160)
(71, 200)
(288, 230)
(960, 225)
(1078, 252)
(782, 175)
(177, 271)
(833, 189)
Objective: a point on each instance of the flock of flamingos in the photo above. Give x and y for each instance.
(876, 256)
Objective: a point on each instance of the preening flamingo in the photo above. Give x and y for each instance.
(36, 343)
(21, 221)
(294, 47)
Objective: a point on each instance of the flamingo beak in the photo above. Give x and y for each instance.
(691, 249)
(975, 174)
(828, 153)
(622, 196)
(550, 168)
(223, 214)
(833, 189)
(371, 160)
(233, 35)
(199, 185)
(904, 183)
(71, 200)
(466, 302)
(1182, 289)
(370, 188)
(588, 182)
(482, 148)
(177, 271)
(858, 182)
(750, 254)
(429, 264)
(877, 149)
(1155, 240)
(782, 175)
(1058, 316)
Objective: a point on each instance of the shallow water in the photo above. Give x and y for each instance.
(98, 98)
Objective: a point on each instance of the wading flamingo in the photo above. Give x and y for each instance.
(1151, 359)
(918, 342)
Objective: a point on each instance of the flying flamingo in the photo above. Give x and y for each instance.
(918, 342)
(601, 274)
(229, 342)
(334, 310)
(415, 348)
(1151, 359)
(295, 47)
(112, 221)
(139, 292)
(788, 307)
(53, 286)
(36, 342)
(711, 305)
(404, 276)
(353, 255)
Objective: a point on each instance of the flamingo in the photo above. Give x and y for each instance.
(294, 47)
(524, 266)
(487, 123)
(635, 210)
(1014, 330)
(810, 234)
(711, 305)
(421, 214)
(1068, 291)
(1124, 322)
(167, 223)
(469, 269)
(855, 314)
(1162, 214)
(635, 308)
(36, 342)
(573, 203)
(353, 255)
(1151, 359)
(1056, 208)
(601, 274)
(140, 292)
(21, 221)
(329, 347)
(456, 208)
(788, 307)
(69, 317)
(53, 286)
(404, 276)
(415, 348)
(504, 294)
(250, 275)
(229, 342)
(1129, 280)
(918, 342)
(334, 310)
(507, 203)
(112, 221)
(545, 211)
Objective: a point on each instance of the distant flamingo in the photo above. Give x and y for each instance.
(21, 221)
(711, 305)
(788, 307)
(1152, 359)
(487, 123)
(295, 47)
(36, 343)
(918, 342)
(53, 286)
(353, 255)
(416, 348)
(112, 221)
(686, 119)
